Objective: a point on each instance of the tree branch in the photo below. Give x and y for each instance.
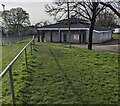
(112, 8)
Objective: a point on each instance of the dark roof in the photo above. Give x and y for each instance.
(74, 20)
(62, 25)
(101, 28)
(76, 23)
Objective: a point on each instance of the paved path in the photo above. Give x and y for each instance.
(112, 46)
(107, 48)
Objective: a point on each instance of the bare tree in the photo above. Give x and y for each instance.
(88, 10)
(42, 23)
(58, 9)
(112, 7)
(106, 19)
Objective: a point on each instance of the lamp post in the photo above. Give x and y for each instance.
(3, 7)
(68, 10)
(2, 26)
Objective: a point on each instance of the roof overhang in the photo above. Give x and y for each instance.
(72, 29)
(62, 28)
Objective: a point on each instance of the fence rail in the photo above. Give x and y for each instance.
(9, 67)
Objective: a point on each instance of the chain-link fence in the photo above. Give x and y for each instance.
(12, 39)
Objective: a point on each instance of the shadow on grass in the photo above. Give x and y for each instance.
(69, 82)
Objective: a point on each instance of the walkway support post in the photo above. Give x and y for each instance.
(26, 59)
(12, 86)
(33, 41)
(31, 48)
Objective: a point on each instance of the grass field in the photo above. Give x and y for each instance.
(63, 75)
(0, 70)
(116, 36)
(8, 53)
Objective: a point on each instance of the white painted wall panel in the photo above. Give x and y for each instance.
(98, 37)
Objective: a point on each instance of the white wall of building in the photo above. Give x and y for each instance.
(100, 36)
(116, 30)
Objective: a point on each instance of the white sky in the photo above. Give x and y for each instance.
(27, 0)
(36, 10)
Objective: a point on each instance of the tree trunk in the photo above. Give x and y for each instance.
(95, 5)
(91, 34)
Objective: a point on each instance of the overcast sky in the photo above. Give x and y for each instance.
(35, 9)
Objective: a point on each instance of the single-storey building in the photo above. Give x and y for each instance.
(116, 30)
(79, 30)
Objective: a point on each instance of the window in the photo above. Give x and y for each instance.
(76, 36)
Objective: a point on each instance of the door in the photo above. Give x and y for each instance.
(43, 36)
(80, 39)
(65, 38)
(83, 37)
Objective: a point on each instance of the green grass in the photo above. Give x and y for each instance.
(0, 69)
(63, 75)
(116, 36)
(8, 53)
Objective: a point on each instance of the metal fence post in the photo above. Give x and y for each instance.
(31, 47)
(26, 59)
(12, 86)
(9, 68)
(33, 41)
